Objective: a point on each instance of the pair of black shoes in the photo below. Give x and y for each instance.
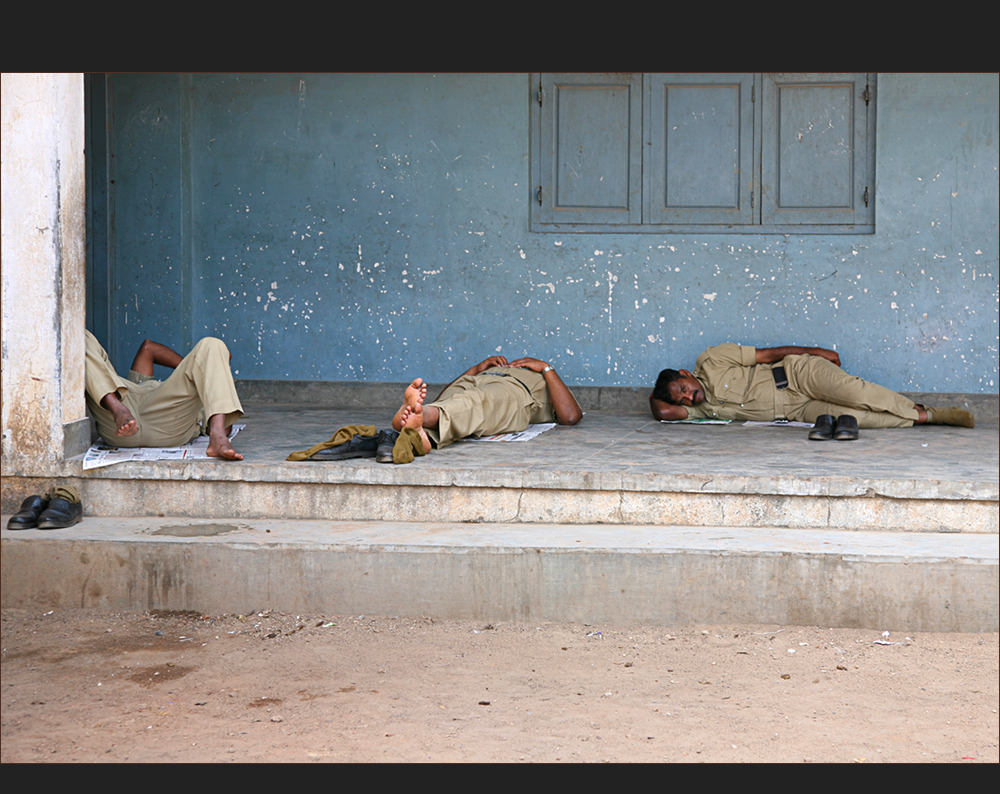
(844, 428)
(39, 512)
(378, 446)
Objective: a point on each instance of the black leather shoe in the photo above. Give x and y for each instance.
(60, 513)
(358, 447)
(846, 429)
(27, 516)
(386, 441)
(823, 429)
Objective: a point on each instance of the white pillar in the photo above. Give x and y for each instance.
(42, 272)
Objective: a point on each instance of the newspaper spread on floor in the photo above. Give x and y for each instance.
(778, 423)
(748, 423)
(103, 455)
(524, 435)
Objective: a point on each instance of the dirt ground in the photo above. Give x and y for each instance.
(84, 686)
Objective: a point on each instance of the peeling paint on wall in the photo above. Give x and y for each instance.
(348, 227)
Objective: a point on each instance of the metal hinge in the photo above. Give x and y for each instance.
(539, 95)
(751, 196)
(866, 195)
(539, 195)
(867, 95)
(753, 93)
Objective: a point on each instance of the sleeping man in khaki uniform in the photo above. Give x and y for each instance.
(142, 412)
(489, 398)
(795, 383)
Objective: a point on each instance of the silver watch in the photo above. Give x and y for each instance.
(548, 368)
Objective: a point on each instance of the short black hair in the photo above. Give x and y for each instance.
(661, 390)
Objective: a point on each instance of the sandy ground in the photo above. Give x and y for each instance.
(82, 685)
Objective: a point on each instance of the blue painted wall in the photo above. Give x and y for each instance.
(375, 227)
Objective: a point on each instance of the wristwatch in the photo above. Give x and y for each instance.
(548, 368)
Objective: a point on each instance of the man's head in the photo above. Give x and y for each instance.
(678, 387)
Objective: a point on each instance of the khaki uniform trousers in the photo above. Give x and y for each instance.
(167, 412)
(817, 386)
(483, 405)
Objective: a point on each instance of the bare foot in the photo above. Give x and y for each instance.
(221, 448)
(125, 424)
(219, 445)
(414, 418)
(414, 395)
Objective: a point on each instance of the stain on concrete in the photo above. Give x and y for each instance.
(196, 530)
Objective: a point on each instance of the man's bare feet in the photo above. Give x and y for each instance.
(414, 418)
(125, 424)
(219, 445)
(414, 395)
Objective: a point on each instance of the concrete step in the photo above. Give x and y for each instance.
(587, 573)
(619, 518)
(360, 493)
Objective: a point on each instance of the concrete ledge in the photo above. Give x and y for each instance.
(611, 468)
(77, 437)
(425, 473)
(212, 499)
(584, 573)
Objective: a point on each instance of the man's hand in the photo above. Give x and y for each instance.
(534, 364)
(665, 411)
(482, 366)
(829, 355)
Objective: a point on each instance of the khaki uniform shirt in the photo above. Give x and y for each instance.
(736, 387)
(543, 410)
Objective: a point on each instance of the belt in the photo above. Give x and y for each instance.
(780, 378)
(508, 375)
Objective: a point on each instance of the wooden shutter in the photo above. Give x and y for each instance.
(817, 150)
(589, 149)
(700, 135)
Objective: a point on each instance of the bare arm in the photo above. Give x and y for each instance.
(665, 410)
(772, 355)
(566, 407)
(150, 353)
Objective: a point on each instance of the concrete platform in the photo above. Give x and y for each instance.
(611, 468)
(618, 518)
